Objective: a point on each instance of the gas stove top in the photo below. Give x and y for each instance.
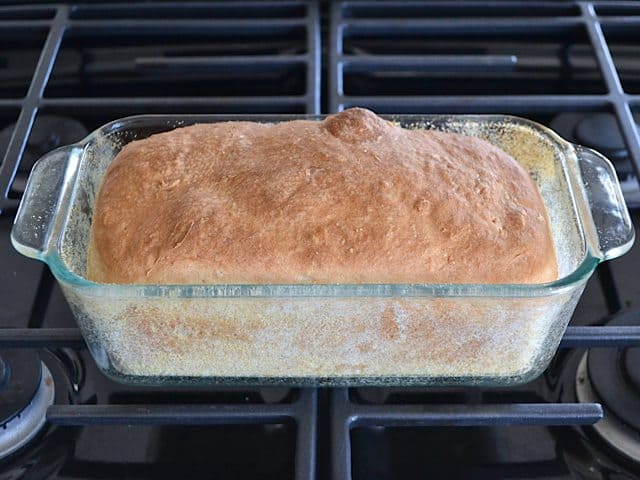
(67, 69)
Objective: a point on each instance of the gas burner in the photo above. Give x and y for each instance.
(48, 132)
(600, 131)
(26, 391)
(610, 377)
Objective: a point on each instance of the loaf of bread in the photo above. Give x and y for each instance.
(351, 199)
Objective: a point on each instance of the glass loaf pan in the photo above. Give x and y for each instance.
(327, 334)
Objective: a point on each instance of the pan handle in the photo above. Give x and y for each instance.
(38, 222)
(609, 214)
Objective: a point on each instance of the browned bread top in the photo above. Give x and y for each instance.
(351, 199)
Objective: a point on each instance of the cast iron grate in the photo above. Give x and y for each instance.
(63, 54)
(95, 63)
(473, 57)
(106, 61)
(426, 57)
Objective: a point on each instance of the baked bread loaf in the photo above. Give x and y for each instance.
(351, 199)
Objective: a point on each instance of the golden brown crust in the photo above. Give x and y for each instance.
(351, 199)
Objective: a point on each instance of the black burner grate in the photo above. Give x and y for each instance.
(527, 58)
(95, 63)
(395, 57)
(530, 58)
(101, 62)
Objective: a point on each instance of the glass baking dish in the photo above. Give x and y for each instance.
(418, 334)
